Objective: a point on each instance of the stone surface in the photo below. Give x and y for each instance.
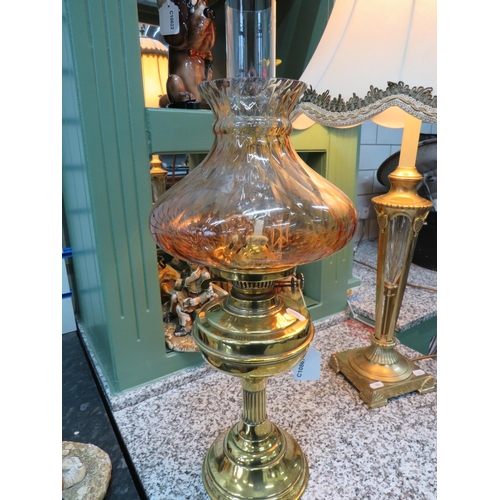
(353, 451)
(98, 471)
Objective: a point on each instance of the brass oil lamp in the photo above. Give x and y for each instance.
(252, 211)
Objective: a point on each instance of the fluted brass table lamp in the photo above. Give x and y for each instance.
(380, 371)
(252, 211)
(366, 46)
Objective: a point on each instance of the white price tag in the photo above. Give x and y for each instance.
(309, 367)
(169, 18)
(418, 372)
(376, 385)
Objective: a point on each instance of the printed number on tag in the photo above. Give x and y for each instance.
(309, 367)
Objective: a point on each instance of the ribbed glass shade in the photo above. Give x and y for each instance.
(253, 205)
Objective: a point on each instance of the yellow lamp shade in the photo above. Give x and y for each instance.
(154, 60)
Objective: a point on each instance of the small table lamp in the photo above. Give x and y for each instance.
(154, 61)
(366, 46)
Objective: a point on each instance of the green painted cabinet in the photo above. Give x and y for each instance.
(108, 136)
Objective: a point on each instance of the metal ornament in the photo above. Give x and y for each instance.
(158, 177)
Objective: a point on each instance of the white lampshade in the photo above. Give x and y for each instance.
(373, 42)
(154, 60)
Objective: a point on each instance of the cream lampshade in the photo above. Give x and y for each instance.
(365, 46)
(379, 58)
(154, 61)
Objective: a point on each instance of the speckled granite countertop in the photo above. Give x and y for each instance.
(353, 452)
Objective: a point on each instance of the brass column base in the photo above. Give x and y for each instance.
(253, 334)
(239, 465)
(374, 392)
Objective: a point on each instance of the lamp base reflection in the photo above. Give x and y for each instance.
(377, 382)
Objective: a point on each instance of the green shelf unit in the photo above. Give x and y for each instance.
(107, 139)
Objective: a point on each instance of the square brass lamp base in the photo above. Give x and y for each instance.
(376, 393)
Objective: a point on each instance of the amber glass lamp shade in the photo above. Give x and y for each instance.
(252, 205)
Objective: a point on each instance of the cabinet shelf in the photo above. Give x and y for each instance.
(108, 137)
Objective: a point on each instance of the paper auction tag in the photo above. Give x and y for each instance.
(376, 385)
(169, 18)
(295, 314)
(309, 367)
